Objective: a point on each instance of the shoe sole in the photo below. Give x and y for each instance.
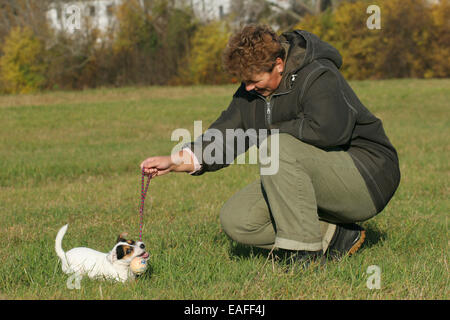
(358, 243)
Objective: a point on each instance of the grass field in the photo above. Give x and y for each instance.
(73, 157)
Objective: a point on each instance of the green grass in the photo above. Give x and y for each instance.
(73, 157)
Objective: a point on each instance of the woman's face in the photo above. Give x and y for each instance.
(266, 83)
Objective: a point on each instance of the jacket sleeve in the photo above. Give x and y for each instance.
(327, 119)
(216, 148)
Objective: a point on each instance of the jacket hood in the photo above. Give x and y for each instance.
(302, 48)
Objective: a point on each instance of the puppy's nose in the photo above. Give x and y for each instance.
(142, 246)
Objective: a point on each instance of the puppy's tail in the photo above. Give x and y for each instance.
(58, 247)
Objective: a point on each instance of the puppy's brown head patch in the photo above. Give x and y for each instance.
(124, 252)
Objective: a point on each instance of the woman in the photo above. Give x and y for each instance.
(336, 164)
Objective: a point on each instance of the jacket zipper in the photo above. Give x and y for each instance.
(269, 105)
(268, 113)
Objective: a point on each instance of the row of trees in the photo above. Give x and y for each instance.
(414, 39)
(145, 47)
(160, 42)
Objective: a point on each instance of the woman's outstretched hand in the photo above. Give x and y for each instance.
(161, 165)
(157, 166)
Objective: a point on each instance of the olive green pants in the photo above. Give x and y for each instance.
(297, 207)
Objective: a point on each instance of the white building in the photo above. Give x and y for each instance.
(208, 10)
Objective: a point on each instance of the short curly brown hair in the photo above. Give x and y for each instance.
(252, 50)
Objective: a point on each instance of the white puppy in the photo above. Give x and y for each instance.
(112, 265)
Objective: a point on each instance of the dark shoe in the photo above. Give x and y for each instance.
(302, 259)
(347, 239)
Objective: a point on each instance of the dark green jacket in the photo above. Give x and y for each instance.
(315, 104)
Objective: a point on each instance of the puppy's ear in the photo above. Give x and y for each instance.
(122, 237)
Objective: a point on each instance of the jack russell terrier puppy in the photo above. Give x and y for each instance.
(112, 265)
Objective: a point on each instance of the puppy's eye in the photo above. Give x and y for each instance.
(128, 251)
